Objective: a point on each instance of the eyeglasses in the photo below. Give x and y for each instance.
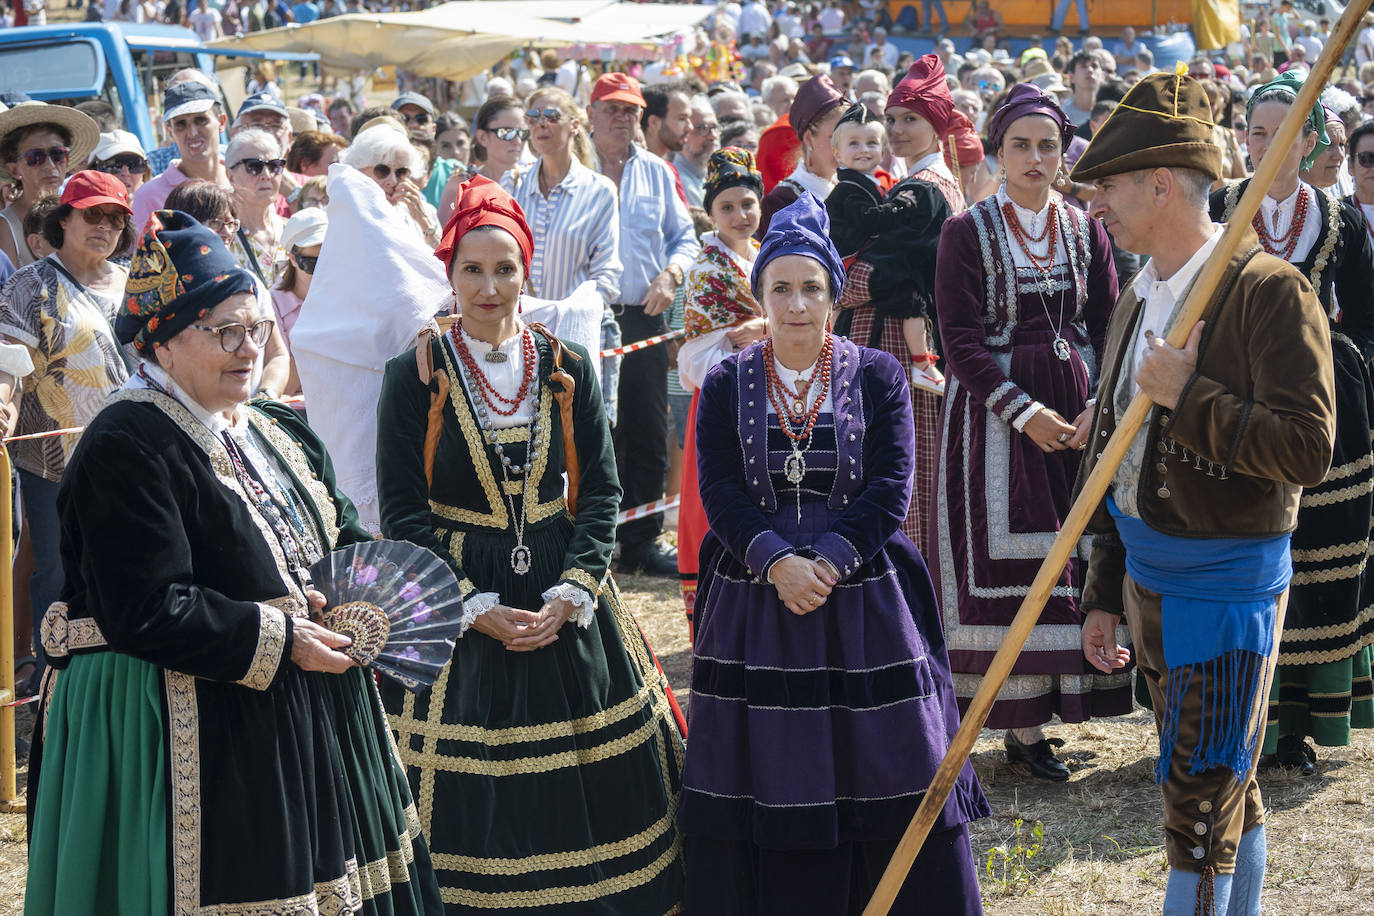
(421, 119)
(94, 216)
(35, 157)
(232, 336)
(306, 262)
(1365, 158)
(383, 172)
(511, 133)
(124, 163)
(226, 226)
(255, 166)
(552, 115)
(707, 130)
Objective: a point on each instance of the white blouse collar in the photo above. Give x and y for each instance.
(217, 423)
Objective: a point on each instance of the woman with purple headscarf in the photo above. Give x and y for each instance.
(821, 694)
(1024, 287)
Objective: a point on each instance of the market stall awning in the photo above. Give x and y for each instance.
(459, 40)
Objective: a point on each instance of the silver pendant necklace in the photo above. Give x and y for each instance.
(1060, 346)
(521, 557)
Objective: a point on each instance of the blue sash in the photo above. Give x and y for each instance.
(1217, 619)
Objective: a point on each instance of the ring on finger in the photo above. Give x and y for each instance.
(1063, 437)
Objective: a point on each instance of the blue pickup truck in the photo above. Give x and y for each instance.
(123, 63)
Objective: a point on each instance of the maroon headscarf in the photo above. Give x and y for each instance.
(1028, 99)
(925, 91)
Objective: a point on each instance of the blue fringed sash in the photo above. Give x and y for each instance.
(1217, 608)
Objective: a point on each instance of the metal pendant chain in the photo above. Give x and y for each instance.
(521, 557)
(1060, 345)
(794, 465)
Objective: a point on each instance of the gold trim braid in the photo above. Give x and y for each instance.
(556, 860)
(553, 895)
(271, 643)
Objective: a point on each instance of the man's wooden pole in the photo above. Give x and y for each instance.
(1095, 487)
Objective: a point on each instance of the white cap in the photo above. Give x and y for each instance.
(305, 228)
(114, 142)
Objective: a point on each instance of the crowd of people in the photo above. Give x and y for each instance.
(888, 315)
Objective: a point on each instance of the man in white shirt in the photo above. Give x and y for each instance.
(754, 19)
(889, 51)
(1309, 40)
(832, 17)
(206, 22)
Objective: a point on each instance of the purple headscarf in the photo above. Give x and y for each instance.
(1028, 99)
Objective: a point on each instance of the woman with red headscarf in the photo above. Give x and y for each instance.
(1024, 287)
(889, 295)
(550, 738)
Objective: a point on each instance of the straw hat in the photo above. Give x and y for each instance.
(84, 132)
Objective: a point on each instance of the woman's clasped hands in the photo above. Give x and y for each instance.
(525, 631)
(803, 584)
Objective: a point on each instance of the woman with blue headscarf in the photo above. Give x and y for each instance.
(822, 701)
(1322, 688)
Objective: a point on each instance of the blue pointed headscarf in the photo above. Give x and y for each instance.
(802, 227)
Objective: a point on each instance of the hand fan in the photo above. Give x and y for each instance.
(399, 603)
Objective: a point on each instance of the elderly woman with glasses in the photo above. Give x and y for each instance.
(37, 143)
(254, 163)
(198, 712)
(212, 206)
(60, 308)
(383, 152)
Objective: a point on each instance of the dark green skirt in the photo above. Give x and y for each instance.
(547, 781)
(102, 801)
(1323, 701)
(394, 870)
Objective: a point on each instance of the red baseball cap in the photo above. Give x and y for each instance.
(617, 87)
(89, 188)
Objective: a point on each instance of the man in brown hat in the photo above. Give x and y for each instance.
(1191, 543)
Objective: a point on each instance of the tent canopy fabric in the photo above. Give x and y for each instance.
(459, 40)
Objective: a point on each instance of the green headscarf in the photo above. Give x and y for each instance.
(1291, 83)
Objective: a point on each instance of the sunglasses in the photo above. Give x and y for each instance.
(94, 216)
(421, 119)
(232, 336)
(1365, 159)
(255, 166)
(227, 226)
(511, 133)
(306, 262)
(35, 157)
(552, 115)
(129, 163)
(383, 172)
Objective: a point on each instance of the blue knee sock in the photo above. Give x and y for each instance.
(1250, 860)
(1180, 897)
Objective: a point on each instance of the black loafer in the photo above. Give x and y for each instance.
(1295, 753)
(1039, 757)
(650, 559)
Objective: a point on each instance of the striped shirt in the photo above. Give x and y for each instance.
(657, 230)
(576, 232)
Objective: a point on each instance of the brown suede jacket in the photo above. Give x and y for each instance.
(1254, 425)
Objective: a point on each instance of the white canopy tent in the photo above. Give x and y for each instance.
(457, 41)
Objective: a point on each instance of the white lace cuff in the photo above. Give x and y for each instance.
(578, 598)
(1033, 408)
(475, 607)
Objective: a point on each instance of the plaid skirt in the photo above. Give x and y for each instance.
(925, 411)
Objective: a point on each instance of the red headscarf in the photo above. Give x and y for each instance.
(482, 202)
(967, 148)
(924, 91)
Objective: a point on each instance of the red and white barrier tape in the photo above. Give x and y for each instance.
(643, 344)
(22, 701)
(658, 505)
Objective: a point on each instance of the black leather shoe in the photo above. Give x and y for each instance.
(1294, 752)
(651, 559)
(1039, 757)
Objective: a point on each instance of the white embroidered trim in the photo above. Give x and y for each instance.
(1025, 416)
(578, 598)
(474, 607)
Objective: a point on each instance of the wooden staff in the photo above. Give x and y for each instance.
(1096, 485)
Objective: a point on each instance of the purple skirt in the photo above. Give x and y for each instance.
(813, 731)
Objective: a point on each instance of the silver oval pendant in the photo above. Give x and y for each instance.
(520, 559)
(1061, 349)
(494, 356)
(794, 468)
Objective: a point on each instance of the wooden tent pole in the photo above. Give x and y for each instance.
(1095, 487)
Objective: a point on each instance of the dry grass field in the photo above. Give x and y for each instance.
(1088, 847)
